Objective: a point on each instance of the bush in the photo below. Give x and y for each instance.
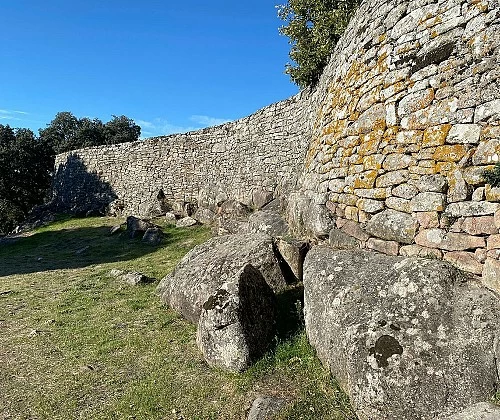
(492, 176)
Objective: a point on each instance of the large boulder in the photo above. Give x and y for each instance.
(268, 221)
(204, 269)
(406, 338)
(237, 321)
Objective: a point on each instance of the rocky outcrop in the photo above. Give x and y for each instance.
(225, 286)
(405, 337)
(236, 323)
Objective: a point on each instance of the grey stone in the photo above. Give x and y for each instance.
(205, 216)
(170, 218)
(428, 201)
(115, 229)
(304, 216)
(471, 208)
(134, 278)
(340, 240)
(186, 222)
(432, 183)
(266, 408)
(393, 225)
(205, 268)
(293, 252)
(269, 222)
(406, 338)
(236, 322)
(479, 411)
(261, 197)
(464, 133)
(153, 236)
(137, 226)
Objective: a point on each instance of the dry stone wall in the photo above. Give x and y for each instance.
(262, 152)
(389, 149)
(407, 120)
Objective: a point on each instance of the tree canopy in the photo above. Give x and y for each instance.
(313, 28)
(66, 132)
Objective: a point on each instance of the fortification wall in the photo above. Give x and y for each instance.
(264, 151)
(390, 148)
(407, 122)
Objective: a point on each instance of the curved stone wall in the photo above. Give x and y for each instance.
(408, 119)
(390, 147)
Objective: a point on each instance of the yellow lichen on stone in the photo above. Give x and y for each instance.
(450, 153)
(436, 135)
(365, 179)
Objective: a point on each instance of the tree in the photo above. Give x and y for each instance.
(66, 132)
(121, 130)
(26, 163)
(313, 28)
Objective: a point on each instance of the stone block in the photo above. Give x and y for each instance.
(432, 183)
(465, 261)
(399, 204)
(428, 219)
(428, 201)
(405, 191)
(385, 247)
(340, 240)
(493, 242)
(394, 162)
(392, 178)
(471, 208)
(449, 241)
(481, 225)
(491, 275)
(392, 225)
(450, 153)
(435, 135)
(457, 187)
(492, 193)
(370, 206)
(354, 229)
(420, 251)
(464, 134)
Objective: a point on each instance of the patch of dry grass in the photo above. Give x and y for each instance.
(76, 343)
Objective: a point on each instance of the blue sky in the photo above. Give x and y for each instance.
(172, 66)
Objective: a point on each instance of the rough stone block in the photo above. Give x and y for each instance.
(491, 275)
(428, 201)
(465, 261)
(393, 225)
(464, 134)
(438, 238)
(385, 247)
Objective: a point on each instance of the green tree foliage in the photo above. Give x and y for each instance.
(66, 132)
(492, 176)
(26, 163)
(313, 28)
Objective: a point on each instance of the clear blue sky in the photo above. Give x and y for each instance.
(172, 66)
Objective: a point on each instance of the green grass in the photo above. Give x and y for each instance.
(76, 343)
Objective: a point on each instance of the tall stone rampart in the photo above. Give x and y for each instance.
(406, 123)
(391, 146)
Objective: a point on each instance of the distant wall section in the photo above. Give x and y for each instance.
(263, 151)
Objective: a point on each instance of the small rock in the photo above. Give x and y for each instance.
(114, 229)
(153, 236)
(134, 278)
(170, 217)
(116, 273)
(186, 222)
(136, 225)
(266, 407)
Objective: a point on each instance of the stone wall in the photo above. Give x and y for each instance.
(264, 151)
(390, 147)
(407, 120)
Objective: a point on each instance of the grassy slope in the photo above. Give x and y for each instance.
(76, 343)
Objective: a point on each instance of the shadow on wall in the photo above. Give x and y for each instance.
(79, 192)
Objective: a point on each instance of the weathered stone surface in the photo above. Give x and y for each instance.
(205, 216)
(464, 133)
(261, 197)
(487, 152)
(458, 189)
(266, 407)
(370, 206)
(479, 411)
(492, 193)
(465, 261)
(394, 332)
(206, 267)
(491, 275)
(136, 226)
(385, 247)
(392, 178)
(479, 225)
(355, 230)
(493, 242)
(393, 225)
(186, 222)
(133, 277)
(420, 251)
(340, 240)
(268, 221)
(428, 219)
(170, 217)
(236, 323)
(432, 183)
(428, 201)
(471, 208)
(405, 191)
(153, 236)
(438, 238)
(399, 204)
(304, 214)
(293, 252)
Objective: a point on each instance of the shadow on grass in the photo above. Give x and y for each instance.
(74, 248)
